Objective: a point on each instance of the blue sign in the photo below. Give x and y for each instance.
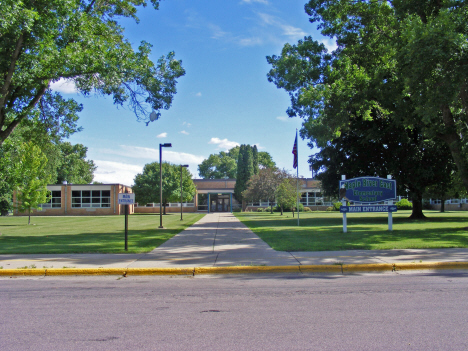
(354, 209)
(126, 199)
(368, 189)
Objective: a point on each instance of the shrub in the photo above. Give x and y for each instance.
(331, 208)
(336, 206)
(288, 209)
(237, 209)
(260, 209)
(307, 209)
(404, 204)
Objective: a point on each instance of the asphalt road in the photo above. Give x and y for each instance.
(413, 311)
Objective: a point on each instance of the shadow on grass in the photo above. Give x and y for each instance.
(139, 241)
(325, 232)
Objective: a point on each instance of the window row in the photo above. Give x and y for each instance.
(90, 198)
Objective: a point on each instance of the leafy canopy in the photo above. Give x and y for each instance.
(43, 41)
(402, 59)
(146, 184)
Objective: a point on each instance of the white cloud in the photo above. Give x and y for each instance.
(162, 135)
(187, 124)
(250, 41)
(64, 86)
(124, 173)
(287, 30)
(282, 118)
(184, 132)
(109, 172)
(199, 94)
(330, 44)
(260, 147)
(224, 143)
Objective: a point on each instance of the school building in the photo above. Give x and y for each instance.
(212, 195)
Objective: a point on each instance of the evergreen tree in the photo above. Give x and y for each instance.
(245, 170)
(255, 159)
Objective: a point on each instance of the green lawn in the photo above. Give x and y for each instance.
(323, 231)
(100, 234)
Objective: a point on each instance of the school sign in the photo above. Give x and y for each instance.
(368, 189)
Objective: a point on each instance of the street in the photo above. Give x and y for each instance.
(410, 311)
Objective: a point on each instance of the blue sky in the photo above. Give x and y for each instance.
(224, 99)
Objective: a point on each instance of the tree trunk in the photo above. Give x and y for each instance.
(271, 209)
(29, 217)
(442, 205)
(417, 207)
(281, 209)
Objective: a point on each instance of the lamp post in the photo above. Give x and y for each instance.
(181, 197)
(160, 181)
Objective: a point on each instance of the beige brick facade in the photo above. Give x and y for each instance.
(70, 207)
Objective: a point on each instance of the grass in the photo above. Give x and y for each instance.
(96, 234)
(323, 231)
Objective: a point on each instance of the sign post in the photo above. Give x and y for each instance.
(368, 190)
(126, 200)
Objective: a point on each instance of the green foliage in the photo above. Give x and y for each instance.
(32, 187)
(147, 190)
(82, 41)
(260, 209)
(224, 164)
(245, 170)
(219, 166)
(403, 61)
(74, 168)
(286, 194)
(336, 206)
(262, 186)
(404, 204)
(307, 209)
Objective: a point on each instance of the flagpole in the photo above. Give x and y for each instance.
(297, 181)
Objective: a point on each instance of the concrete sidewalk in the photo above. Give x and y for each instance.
(221, 240)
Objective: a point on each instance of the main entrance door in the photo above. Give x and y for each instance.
(220, 203)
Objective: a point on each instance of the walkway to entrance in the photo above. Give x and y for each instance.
(218, 239)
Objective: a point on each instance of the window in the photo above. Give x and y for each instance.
(55, 200)
(90, 198)
(202, 202)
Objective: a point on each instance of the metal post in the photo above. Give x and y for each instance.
(160, 181)
(181, 191)
(343, 202)
(126, 227)
(390, 214)
(160, 186)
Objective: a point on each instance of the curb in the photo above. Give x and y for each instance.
(329, 269)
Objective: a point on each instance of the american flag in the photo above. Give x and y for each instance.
(294, 152)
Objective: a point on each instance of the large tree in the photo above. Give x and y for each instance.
(263, 185)
(73, 166)
(381, 147)
(245, 170)
(224, 164)
(404, 60)
(146, 184)
(43, 41)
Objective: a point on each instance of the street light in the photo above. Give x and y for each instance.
(181, 166)
(160, 181)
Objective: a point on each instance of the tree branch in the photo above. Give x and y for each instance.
(9, 129)
(9, 75)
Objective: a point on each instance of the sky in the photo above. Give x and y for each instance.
(223, 100)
